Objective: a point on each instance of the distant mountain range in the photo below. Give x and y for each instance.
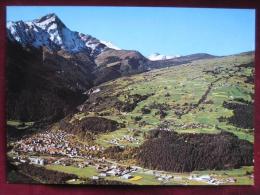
(49, 67)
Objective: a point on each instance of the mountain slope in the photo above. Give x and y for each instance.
(39, 87)
(204, 96)
(115, 63)
(49, 67)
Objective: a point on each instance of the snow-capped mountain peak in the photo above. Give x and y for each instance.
(51, 32)
(50, 20)
(157, 56)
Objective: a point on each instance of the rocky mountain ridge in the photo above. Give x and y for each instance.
(49, 31)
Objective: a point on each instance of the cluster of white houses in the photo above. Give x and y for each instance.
(114, 170)
(211, 180)
(125, 138)
(57, 143)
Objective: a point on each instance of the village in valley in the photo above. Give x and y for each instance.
(55, 149)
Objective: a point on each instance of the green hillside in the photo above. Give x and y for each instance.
(188, 98)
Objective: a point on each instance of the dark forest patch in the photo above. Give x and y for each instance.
(102, 181)
(14, 176)
(145, 110)
(97, 103)
(14, 134)
(247, 65)
(159, 106)
(243, 114)
(93, 125)
(250, 79)
(45, 176)
(17, 132)
(132, 102)
(137, 118)
(170, 151)
(119, 153)
(161, 113)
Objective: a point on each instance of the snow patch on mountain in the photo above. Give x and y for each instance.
(157, 56)
(110, 45)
